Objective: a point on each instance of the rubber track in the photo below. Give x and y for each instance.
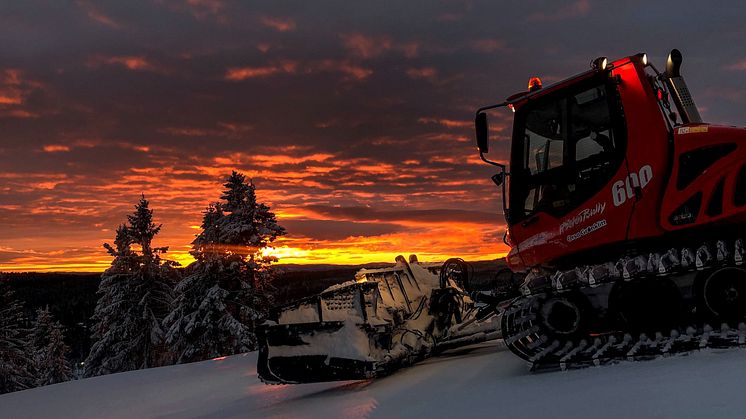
(525, 335)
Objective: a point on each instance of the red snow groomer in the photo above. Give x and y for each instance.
(625, 218)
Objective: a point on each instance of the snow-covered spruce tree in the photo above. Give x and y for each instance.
(50, 351)
(134, 296)
(16, 363)
(227, 290)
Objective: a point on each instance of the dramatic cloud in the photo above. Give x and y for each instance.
(294, 68)
(354, 119)
(243, 73)
(737, 66)
(428, 73)
(93, 12)
(367, 47)
(128, 62)
(279, 24)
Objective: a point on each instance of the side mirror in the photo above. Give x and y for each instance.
(483, 137)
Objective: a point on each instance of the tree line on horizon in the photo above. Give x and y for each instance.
(149, 313)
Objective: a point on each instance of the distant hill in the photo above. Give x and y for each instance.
(294, 267)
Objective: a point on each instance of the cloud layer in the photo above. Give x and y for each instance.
(353, 119)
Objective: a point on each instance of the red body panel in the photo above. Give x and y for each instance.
(617, 212)
(692, 137)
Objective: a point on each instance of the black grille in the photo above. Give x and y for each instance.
(715, 207)
(693, 163)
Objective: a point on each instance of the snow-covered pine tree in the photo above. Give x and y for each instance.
(50, 351)
(135, 295)
(226, 292)
(16, 364)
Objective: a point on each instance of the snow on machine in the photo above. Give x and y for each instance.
(383, 320)
(625, 218)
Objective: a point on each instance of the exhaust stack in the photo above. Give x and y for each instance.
(679, 91)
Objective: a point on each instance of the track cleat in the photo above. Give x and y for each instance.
(653, 348)
(653, 262)
(673, 337)
(535, 282)
(704, 340)
(738, 253)
(568, 357)
(605, 272)
(582, 274)
(625, 343)
(559, 279)
(683, 342)
(668, 262)
(546, 351)
(704, 257)
(634, 266)
(726, 337)
(596, 274)
(722, 253)
(599, 353)
(692, 340)
(741, 334)
(687, 258)
(597, 343)
(691, 334)
(619, 266)
(565, 349)
(659, 340)
(637, 346)
(563, 280)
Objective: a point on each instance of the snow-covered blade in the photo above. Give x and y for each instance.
(383, 320)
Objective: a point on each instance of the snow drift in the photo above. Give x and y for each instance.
(478, 381)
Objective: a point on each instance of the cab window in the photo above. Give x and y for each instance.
(566, 147)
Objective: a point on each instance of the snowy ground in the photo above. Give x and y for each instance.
(482, 381)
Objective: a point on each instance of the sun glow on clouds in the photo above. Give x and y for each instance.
(130, 62)
(367, 47)
(361, 146)
(299, 183)
(95, 14)
(289, 67)
(53, 148)
(15, 89)
(279, 24)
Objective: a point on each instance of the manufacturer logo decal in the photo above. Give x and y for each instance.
(588, 230)
(582, 216)
(692, 130)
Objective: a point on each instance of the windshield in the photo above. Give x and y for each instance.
(567, 145)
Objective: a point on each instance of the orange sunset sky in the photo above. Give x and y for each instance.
(354, 119)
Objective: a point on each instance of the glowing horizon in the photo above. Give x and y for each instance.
(353, 250)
